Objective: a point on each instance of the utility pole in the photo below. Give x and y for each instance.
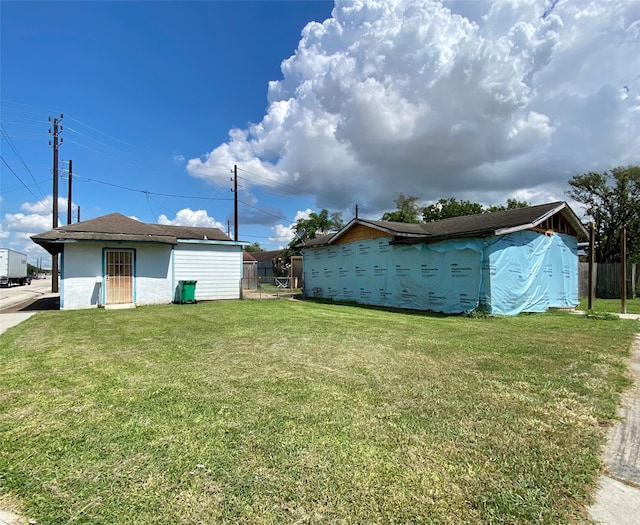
(592, 258)
(78, 214)
(623, 272)
(69, 192)
(54, 144)
(235, 202)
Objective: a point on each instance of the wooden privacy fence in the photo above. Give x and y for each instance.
(251, 279)
(606, 277)
(249, 275)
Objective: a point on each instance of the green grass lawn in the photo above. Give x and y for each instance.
(297, 412)
(611, 305)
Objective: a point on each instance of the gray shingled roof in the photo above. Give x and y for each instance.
(480, 225)
(267, 256)
(117, 227)
(496, 223)
(194, 232)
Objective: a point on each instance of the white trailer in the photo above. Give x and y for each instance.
(13, 268)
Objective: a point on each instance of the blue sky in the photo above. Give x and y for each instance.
(142, 87)
(477, 100)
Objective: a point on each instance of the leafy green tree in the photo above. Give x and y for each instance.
(316, 224)
(511, 204)
(447, 208)
(407, 210)
(255, 247)
(612, 201)
(337, 222)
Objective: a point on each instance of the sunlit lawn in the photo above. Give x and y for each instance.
(611, 305)
(295, 412)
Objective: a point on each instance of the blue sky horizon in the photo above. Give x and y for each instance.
(319, 104)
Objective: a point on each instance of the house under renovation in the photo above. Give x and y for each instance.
(506, 262)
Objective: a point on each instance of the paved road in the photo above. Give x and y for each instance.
(18, 303)
(14, 297)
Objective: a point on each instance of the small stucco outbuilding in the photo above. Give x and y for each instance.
(116, 260)
(506, 262)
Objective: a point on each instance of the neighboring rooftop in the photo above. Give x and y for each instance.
(268, 256)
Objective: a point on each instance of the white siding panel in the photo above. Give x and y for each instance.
(216, 268)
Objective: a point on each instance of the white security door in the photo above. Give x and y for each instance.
(118, 276)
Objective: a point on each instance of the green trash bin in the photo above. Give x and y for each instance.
(187, 291)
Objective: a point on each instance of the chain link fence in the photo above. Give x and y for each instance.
(270, 287)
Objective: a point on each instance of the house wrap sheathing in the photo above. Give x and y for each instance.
(522, 260)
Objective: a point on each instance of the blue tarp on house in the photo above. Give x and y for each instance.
(523, 271)
(530, 272)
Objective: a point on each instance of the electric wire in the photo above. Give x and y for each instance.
(17, 153)
(197, 197)
(4, 192)
(18, 177)
(277, 183)
(264, 211)
(291, 191)
(153, 214)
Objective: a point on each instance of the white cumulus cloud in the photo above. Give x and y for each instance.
(478, 100)
(188, 217)
(283, 234)
(16, 229)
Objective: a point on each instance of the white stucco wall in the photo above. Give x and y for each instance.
(153, 274)
(81, 264)
(217, 268)
(82, 275)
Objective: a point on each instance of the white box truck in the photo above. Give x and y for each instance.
(13, 268)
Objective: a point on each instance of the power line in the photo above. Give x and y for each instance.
(4, 192)
(86, 179)
(277, 183)
(158, 203)
(38, 121)
(95, 150)
(101, 132)
(18, 177)
(153, 213)
(266, 212)
(43, 111)
(15, 150)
